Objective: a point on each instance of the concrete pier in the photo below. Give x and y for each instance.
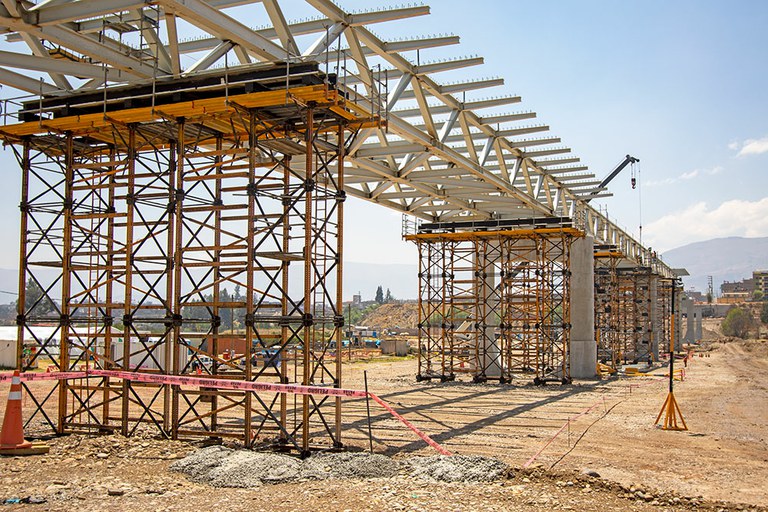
(583, 354)
(689, 309)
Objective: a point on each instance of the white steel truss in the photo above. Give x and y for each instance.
(439, 157)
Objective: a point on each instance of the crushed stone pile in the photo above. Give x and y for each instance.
(456, 468)
(225, 467)
(350, 465)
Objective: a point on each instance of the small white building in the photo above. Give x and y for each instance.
(7, 354)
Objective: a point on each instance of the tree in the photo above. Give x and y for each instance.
(379, 295)
(738, 323)
(388, 297)
(227, 314)
(757, 296)
(237, 297)
(37, 302)
(764, 313)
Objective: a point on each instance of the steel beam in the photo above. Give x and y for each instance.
(225, 27)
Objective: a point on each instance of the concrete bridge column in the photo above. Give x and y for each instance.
(490, 355)
(678, 305)
(687, 306)
(583, 352)
(697, 324)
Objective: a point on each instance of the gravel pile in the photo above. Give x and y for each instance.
(224, 467)
(456, 468)
(249, 469)
(349, 465)
(199, 464)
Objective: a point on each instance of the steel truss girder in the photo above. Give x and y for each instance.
(528, 187)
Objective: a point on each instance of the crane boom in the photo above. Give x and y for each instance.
(627, 160)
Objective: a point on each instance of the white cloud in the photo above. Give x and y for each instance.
(689, 175)
(700, 222)
(715, 170)
(695, 173)
(750, 147)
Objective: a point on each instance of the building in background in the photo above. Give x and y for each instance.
(760, 279)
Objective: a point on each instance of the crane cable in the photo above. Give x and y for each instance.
(636, 183)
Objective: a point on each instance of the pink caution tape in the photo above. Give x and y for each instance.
(411, 426)
(182, 380)
(45, 376)
(239, 385)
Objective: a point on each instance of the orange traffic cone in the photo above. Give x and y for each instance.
(12, 436)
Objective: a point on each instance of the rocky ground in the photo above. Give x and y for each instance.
(116, 473)
(612, 460)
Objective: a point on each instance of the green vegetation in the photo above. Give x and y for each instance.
(37, 302)
(738, 323)
(764, 313)
(355, 314)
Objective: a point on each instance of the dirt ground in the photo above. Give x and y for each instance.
(403, 316)
(720, 463)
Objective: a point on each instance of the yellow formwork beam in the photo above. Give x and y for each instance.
(208, 108)
(609, 254)
(507, 233)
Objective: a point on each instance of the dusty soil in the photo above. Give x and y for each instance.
(393, 316)
(721, 462)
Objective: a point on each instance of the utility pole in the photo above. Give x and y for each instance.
(670, 409)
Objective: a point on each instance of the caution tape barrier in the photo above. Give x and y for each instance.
(410, 425)
(238, 385)
(45, 376)
(586, 411)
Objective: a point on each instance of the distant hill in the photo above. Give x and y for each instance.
(725, 259)
(391, 316)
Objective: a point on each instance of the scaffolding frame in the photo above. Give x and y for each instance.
(133, 223)
(665, 307)
(634, 314)
(607, 307)
(495, 304)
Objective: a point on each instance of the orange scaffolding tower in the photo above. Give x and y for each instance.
(495, 304)
(186, 237)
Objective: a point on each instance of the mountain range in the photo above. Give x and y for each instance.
(725, 259)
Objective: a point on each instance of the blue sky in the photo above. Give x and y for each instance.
(679, 84)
